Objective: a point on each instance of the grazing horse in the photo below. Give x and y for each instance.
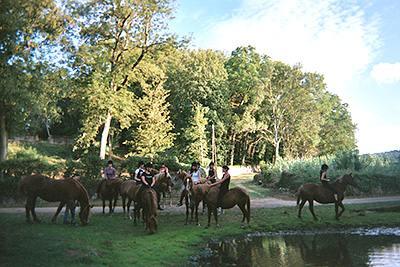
(234, 196)
(310, 192)
(65, 190)
(148, 198)
(194, 194)
(109, 190)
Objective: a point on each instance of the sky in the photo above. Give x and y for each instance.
(355, 44)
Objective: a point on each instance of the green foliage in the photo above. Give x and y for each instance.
(375, 174)
(23, 162)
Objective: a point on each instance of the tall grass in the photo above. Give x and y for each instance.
(376, 174)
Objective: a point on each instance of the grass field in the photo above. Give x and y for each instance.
(112, 241)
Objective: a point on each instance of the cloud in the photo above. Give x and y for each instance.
(386, 72)
(328, 37)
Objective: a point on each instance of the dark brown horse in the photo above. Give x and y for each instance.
(162, 184)
(194, 194)
(65, 190)
(234, 196)
(310, 192)
(109, 190)
(148, 200)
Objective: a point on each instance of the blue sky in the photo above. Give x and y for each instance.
(355, 44)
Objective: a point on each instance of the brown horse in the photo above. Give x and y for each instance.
(109, 190)
(194, 194)
(128, 192)
(163, 182)
(310, 192)
(149, 204)
(234, 196)
(66, 191)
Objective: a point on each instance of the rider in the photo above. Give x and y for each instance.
(224, 187)
(109, 173)
(325, 181)
(165, 169)
(147, 181)
(212, 173)
(138, 173)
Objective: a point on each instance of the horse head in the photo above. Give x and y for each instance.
(84, 214)
(152, 224)
(349, 179)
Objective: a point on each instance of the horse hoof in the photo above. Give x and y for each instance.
(207, 227)
(30, 222)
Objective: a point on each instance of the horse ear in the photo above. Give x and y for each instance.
(91, 206)
(351, 174)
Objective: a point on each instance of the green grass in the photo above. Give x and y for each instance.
(116, 242)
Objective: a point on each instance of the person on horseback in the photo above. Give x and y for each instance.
(109, 173)
(224, 187)
(195, 172)
(212, 173)
(148, 181)
(325, 181)
(164, 169)
(138, 173)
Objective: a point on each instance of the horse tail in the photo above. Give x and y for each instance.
(21, 190)
(248, 207)
(299, 195)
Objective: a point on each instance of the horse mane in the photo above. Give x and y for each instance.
(85, 192)
(340, 179)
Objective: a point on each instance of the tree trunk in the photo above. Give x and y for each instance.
(233, 148)
(3, 133)
(110, 138)
(277, 150)
(104, 136)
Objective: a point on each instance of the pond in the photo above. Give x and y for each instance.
(360, 247)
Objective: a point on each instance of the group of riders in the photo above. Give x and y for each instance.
(144, 176)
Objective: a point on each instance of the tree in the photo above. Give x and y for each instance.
(195, 136)
(116, 37)
(245, 93)
(151, 133)
(26, 27)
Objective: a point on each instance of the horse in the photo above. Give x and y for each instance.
(130, 188)
(149, 204)
(128, 191)
(109, 190)
(234, 196)
(65, 190)
(310, 192)
(162, 183)
(194, 194)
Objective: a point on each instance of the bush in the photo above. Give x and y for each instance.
(23, 162)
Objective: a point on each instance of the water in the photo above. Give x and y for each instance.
(377, 247)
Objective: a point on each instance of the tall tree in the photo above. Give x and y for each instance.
(25, 27)
(117, 36)
(245, 93)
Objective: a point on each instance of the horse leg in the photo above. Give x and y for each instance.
(311, 207)
(128, 209)
(110, 210)
(71, 206)
(104, 206)
(54, 218)
(123, 206)
(28, 208)
(303, 201)
(197, 213)
(245, 215)
(209, 216)
(115, 202)
(216, 217)
(340, 203)
(32, 209)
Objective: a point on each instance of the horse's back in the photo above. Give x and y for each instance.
(31, 183)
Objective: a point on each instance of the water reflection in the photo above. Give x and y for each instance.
(338, 249)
